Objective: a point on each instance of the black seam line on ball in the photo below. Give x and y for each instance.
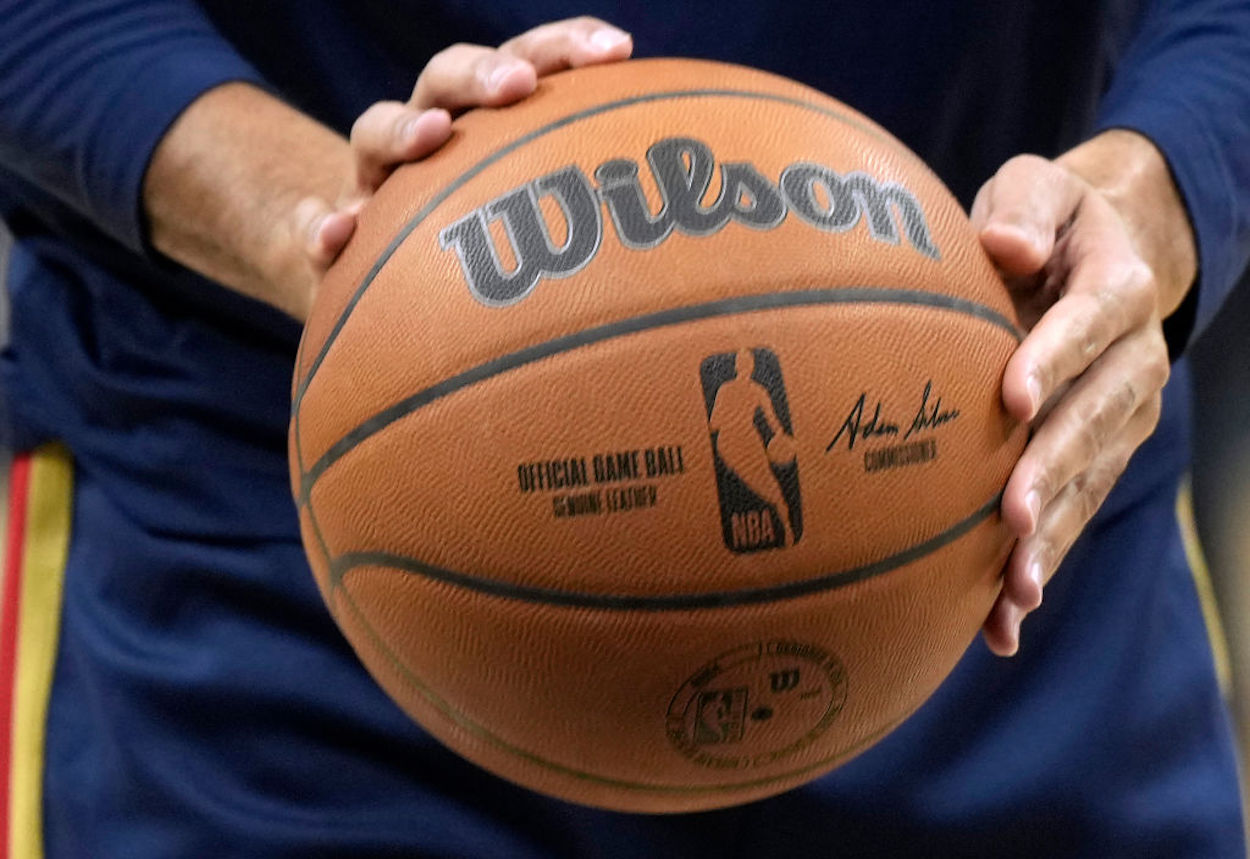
(477, 729)
(508, 149)
(633, 325)
(670, 602)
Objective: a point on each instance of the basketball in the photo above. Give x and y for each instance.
(647, 438)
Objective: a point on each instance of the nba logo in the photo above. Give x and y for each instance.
(721, 717)
(757, 473)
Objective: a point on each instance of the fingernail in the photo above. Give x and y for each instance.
(1035, 573)
(1033, 501)
(1013, 629)
(408, 129)
(497, 75)
(1034, 386)
(314, 229)
(1032, 236)
(1026, 230)
(607, 38)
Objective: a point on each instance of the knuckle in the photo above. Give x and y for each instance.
(1089, 499)
(1108, 476)
(1090, 431)
(1119, 309)
(1087, 329)
(367, 123)
(485, 66)
(1153, 409)
(1091, 489)
(1140, 278)
(486, 60)
(1163, 371)
(1042, 554)
(1026, 163)
(450, 61)
(362, 123)
(1138, 290)
(306, 211)
(358, 128)
(1119, 464)
(1044, 482)
(1114, 409)
(1156, 367)
(1096, 419)
(454, 50)
(443, 58)
(978, 211)
(1113, 305)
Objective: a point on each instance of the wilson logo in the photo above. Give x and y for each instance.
(682, 169)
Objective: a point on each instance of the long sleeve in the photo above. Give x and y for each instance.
(88, 88)
(1184, 82)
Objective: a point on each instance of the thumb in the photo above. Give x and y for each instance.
(322, 231)
(1020, 211)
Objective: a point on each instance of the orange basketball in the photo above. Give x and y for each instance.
(647, 438)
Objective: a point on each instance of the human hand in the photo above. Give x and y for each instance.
(257, 196)
(1096, 249)
(461, 77)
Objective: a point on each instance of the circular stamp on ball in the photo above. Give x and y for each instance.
(756, 704)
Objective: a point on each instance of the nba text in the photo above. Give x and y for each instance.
(751, 529)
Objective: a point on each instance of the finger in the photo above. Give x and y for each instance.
(1090, 416)
(322, 231)
(570, 44)
(465, 76)
(1022, 582)
(391, 133)
(1108, 291)
(980, 205)
(1067, 515)
(1035, 560)
(1002, 628)
(1022, 209)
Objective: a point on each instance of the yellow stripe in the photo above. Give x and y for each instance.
(1202, 581)
(39, 624)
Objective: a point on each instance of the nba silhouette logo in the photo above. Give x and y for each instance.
(757, 472)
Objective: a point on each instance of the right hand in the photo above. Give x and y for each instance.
(461, 77)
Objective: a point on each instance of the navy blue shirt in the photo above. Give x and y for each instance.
(191, 618)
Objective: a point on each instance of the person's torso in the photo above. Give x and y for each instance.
(173, 395)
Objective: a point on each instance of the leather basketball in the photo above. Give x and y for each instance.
(647, 438)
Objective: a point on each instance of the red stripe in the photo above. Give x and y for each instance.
(19, 482)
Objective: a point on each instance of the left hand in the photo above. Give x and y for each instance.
(458, 78)
(1092, 270)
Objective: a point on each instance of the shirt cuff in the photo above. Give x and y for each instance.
(1195, 159)
(141, 113)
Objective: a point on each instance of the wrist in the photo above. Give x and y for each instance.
(281, 262)
(223, 186)
(1132, 174)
